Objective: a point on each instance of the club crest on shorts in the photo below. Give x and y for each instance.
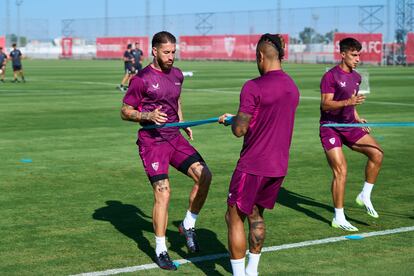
(155, 166)
(332, 141)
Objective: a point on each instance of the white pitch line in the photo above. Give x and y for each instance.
(265, 249)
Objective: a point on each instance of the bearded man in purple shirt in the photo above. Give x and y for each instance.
(265, 118)
(153, 97)
(339, 98)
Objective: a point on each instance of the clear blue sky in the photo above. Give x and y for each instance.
(56, 10)
(59, 9)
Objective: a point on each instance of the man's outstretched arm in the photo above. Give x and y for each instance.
(240, 123)
(128, 113)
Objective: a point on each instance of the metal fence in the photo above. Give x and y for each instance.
(29, 29)
(310, 28)
(321, 20)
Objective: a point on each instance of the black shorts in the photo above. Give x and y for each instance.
(17, 67)
(129, 69)
(138, 67)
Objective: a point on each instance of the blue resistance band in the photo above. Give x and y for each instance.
(228, 121)
(398, 124)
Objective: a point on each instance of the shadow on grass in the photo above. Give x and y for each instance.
(296, 202)
(129, 220)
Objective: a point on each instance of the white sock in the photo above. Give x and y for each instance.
(366, 190)
(237, 266)
(189, 220)
(160, 245)
(252, 264)
(340, 215)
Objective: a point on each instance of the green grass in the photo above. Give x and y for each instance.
(84, 203)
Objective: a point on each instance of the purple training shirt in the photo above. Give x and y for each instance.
(343, 85)
(272, 100)
(150, 89)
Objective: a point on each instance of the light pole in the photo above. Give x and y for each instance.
(18, 4)
(164, 26)
(106, 18)
(7, 18)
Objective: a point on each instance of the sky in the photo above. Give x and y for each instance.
(56, 10)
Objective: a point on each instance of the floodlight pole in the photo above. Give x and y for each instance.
(164, 26)
(18, 4)
(7, 18)
(106, 19)
(147, 17)
(279, 17)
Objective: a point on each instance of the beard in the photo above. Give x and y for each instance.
(164, 66)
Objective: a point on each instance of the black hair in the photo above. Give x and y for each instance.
(14, 45)
(163, 37)
(129, 46)
(276, 40)
(349, 44)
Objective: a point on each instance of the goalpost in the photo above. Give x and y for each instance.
(364, 86)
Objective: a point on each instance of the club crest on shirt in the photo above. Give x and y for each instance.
(332, 141)
(229, 43)
(156, 86)
(155, 166)
(342, 83)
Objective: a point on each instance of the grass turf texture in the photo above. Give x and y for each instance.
(84, 203)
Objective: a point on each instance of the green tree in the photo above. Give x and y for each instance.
(329, 36)
(306, 35)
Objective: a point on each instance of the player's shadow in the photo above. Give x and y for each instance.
(297, 201)
(129, 220)
(209, 245)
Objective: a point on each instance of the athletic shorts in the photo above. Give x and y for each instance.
(17, 67)
(157, 156)
(138, 67)
(247, 190)
(335, 137)
(129, 69)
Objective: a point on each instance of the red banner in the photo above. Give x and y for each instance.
(114, 47)
(409, 48)
(224, 47)
(2, 42)
(67, 43)
(371, 46)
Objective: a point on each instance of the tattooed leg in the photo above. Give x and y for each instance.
(161, 191)
(257, 230)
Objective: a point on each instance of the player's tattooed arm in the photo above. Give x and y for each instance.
(129, 113)
(241, 124)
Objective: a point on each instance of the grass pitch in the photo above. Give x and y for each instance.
(84, 203)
